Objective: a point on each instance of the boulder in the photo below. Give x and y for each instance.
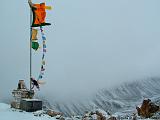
(112, 118)
(53, 113)
(100, 116)
(94, 116)
(147, 108)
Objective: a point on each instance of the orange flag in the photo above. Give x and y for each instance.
(39, 15)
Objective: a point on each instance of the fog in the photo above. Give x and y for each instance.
(91, 45)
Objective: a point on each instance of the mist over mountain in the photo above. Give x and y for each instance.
(123, 97)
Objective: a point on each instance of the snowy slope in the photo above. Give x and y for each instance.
(6, 113)
(124, 97)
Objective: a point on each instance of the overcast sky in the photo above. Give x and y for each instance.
(92, 44)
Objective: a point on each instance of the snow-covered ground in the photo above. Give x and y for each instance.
(7, 113)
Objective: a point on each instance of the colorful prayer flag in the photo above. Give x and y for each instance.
(44, 42)
(42, 68)
(39, 15)
(44, 45)
(34, 34)
(43, 37)
(44, 50)
(48, 7)
(35, 45)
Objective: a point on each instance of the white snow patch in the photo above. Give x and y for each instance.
(7, 113)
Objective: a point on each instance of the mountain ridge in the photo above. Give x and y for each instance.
(122, 97)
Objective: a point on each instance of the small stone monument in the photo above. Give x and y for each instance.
(23, 99)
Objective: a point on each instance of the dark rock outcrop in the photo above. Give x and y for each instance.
(147, 108)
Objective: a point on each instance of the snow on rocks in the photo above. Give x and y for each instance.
(98, 114)
(53, 113)
(7, 113)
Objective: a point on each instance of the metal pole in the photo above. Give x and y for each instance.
(30, 48)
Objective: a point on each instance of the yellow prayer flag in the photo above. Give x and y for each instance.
(48, 7)
(34, 34)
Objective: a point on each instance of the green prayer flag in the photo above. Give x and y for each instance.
(35, 45)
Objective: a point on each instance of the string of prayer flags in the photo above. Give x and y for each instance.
(43, 55)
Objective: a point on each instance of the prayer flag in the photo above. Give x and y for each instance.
(48, 7)
(44, 45)
(43, 56)
(43, 62)
(44, 50)
(35, 45)
(39, 15)
(43, 37)
(34, 34)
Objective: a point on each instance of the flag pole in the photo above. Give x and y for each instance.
(30, 48)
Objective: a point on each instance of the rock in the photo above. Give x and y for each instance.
(53, 113)
(93, 116)
(112, 118)
(62, 118)
(86, 116)
(58, 116)
(15, 104)
(96, 115)
(134, 117)
(147, 108)
(100, 116)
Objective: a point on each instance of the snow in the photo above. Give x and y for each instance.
(31, 99)
(7, 113)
